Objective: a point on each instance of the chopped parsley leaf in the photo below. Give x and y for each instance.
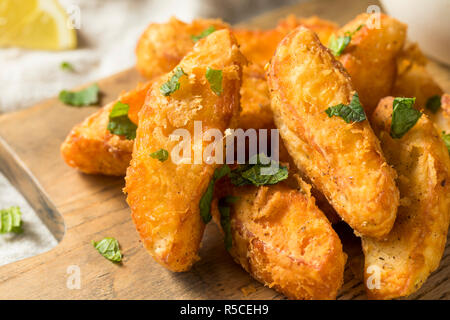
(203, 34)
(11, 220)
(162, 155)
(253, 174)
(205, 201)
(119, 123)
(353, 112)
(434, 103)
(225, 218)
(214, 78)
(66, 66)
(83, 97)
(446, 138)
(404, 116)
(338, 45)
(109, 248)
(173, 84)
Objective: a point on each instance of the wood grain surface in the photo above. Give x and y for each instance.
(79, 208)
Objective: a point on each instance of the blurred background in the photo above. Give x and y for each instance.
(107, 35)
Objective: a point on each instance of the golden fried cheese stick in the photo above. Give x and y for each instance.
(416, 82)
(258, 46)
(92, 149)
(283, 240)
(413, 79)
(343, 160)
(414, 247)
(371, 56)
(164, 196)
(323, 28)
(162, 45)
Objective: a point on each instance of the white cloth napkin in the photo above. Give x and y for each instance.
(34, 239)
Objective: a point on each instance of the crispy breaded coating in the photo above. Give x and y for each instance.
(445, 105)
(321, 200)
(323, 28)
(344, 161)
(409, 56)
(258, 46)
(416, 82)
(370, 58)
(255, 100)
(414, 247)
(164, 196)
(162, 45)
(283, 240)
(92, 149)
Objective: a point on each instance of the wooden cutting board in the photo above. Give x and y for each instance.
(79, 208)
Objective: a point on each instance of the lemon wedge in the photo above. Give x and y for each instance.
(35, 24)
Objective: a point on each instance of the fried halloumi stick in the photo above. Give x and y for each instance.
(344, 161)
(323, 28)
(162, 45)
(258, 46)
(255, 100)
(371, 57)
(164, 196)
(92, 149)
(413, 80)
(416, 82)
(414, 247)
(283, 240)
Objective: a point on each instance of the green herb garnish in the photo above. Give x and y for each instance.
(203, 34)
(338, 45)
(352, 112)
(119, 123)
(66, 66)
(205, 201)
(84, 97)
(173, 84)
(404, 116)
(253, 174)
(214, 78)
(11, 220)
(446, 138)
(259, 172)
(434, 103)
(109, 248)
(225, 218)
(162, 155)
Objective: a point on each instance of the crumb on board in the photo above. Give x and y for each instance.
(248, 290)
